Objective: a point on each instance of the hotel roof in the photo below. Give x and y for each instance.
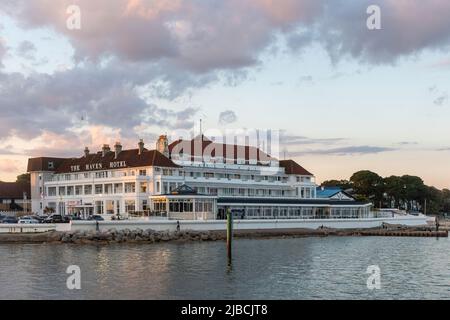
(202, 146)
(44, 164)
(328, 192)
(96, 161)
(292, 167)
(14, 190)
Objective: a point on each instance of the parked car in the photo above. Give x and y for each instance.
(96, 217)
(39, 218)
(56, 218)
(28, 220)
(10, 220)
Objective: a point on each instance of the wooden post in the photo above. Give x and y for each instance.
(229, 234)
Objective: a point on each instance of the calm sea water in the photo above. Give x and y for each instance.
(302, 268)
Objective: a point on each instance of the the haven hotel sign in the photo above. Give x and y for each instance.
(99, 166)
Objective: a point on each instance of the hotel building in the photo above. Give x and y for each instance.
(185, 179)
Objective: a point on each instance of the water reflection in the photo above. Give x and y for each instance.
(305, 268)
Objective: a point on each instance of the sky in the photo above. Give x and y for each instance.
(343, 97)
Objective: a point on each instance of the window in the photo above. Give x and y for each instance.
(142, 172)
(51, 165)
(99, 207)
(130, 206)
(308, 193)
(52, 191)
(70, 191)
(78, 190)
(62, 191)
(145, 205)
(159, 205)
(98, 189)
(158, 187)
(118, 188)
(108, 188)
(130, 187)
(88, 189)
(101, 174)
(143, 187)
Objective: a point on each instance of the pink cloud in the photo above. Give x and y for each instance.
(8, 165)
(207, 35)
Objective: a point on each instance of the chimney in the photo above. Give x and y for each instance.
(86, 152)
(117, 149)
(162, 145)
(141, 146)
(105, 149)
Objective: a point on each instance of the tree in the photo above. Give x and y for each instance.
(23, 178)
(445, 200)
(415, 192)
(343, 184)
(395, 193)
(369, 185)
(434, 200)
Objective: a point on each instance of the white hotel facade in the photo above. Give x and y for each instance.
(186, 179)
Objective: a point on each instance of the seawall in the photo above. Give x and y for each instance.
(152, 236)
(220, 225)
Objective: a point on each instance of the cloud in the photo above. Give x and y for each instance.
(195, 35)
(8, 165)
(407, 143)
(89, 95)
(8, 151)
(445, 63)
(202, 36)
(305, 80)
(441, 99)
(26, 50)
(343, 151)
(292, 140)
(3, 50)
(227, 117)
(341, 29)
(131, 54)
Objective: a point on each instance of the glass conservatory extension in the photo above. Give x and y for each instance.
(189, 207)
